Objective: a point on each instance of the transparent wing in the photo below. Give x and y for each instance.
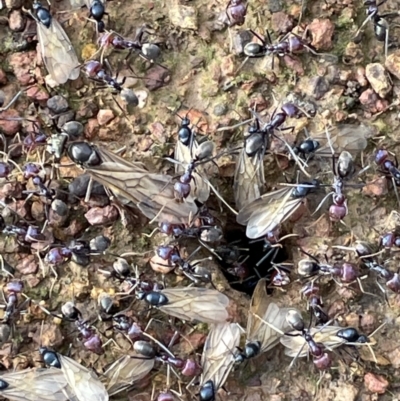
(268, 212)
(218, 357)
(58, 54)
(248, 180)
(201, 190)
(350, 137)
(125, 372)
(201, 304)
(269, 312)
(83, 381)
(153, 194)
(36, 384)
(183, 155)
(326, 336)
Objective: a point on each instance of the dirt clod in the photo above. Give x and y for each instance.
(392, 63)
(321, 31)
(104, 116)
(16, 21)
(375, 383)
(102, 216)
(57, 104)
(379, 79)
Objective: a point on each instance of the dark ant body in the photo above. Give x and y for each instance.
(381, 26)
(182, 188)
(187, 367)
(149, 51)
(351, 335)
(288, 45)
(389, 167)
(306, 148)
(27, 235)
(126, 325)
(97, 10)
(344, 168)
(92, 341)
(171, 255)
(312, 293)
(390, 240)
(14, 288)
(392, 280)
(204, 233)
(42, 14)
(78, 251)
(322, 360)
(345, 272)
(94, 70)
(122, 271)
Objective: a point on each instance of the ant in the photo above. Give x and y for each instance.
(381, 26)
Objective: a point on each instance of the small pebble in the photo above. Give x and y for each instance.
(322, 32)
(8, 127)
(10, 4)
(183, 17)
(102, 215)
(367, 323)
(275, 6)
(220, 110)
(375, 383)
(37, 93)
(57, 104)
(281, 22)
(99, 243)
(392, 63)
(379, 79)
(104, 116)
(92, 128)
(16, 21)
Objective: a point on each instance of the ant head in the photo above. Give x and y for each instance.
(185, 122)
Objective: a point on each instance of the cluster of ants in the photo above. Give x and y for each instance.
(33, 196)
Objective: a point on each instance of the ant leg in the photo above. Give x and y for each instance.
(12, 101)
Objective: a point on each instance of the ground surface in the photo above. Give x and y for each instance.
(202, 58)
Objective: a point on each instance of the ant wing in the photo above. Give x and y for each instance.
(249, 179)
(59, 56)
(183, 154)
(263, 311)
(218, 356)
(205, 305)
(35, 384)
(350, 137)
(270, 197)
(268, 212)
(125, 372)
(84, 382)
(153, 194)
(325, 335)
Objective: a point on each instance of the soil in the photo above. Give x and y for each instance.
(205, 80)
